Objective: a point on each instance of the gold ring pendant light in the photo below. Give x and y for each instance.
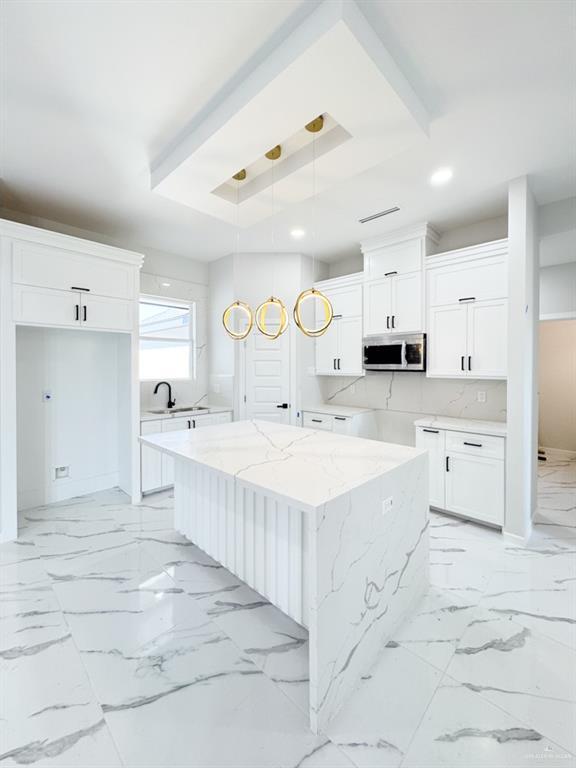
(273, 301)
(238, 307)
(314, 127)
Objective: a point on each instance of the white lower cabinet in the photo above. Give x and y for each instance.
(466, 472)
(361, 424)
(157, 469)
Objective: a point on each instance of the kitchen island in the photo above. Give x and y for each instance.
(331, 529)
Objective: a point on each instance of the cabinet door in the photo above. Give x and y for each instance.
(487, 339)
(172, 425)
(475, 487)
(349, 359)
(50, 267)
(45, 306)
(479, 279)
(396, 258)
(377, 306)
(407, 303)
(327, 351)
(447, 341)
(346, 301)
(105, 314)
(433, 440)
(150, 459)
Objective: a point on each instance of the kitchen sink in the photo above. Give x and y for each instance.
(187, 409)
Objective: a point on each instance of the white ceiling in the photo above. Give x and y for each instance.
(93, 92)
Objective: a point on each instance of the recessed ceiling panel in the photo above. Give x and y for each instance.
(331, 65)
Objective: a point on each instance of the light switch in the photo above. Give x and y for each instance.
(481, 396)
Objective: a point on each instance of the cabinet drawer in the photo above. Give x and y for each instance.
(318, 421)
(50, 267)
(398, 259)
(341, 425)
(475, 445)
(45, 306)
(477, 280)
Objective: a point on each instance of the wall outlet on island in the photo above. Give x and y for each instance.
(387, 505)
(61, 472)
(481, 396)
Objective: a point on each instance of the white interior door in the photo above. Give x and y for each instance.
(267, 377)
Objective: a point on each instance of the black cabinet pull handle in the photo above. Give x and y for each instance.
(462, 362)
(339, 360)
(189, 424)
(76, 288)
(469, 362)
(474, 445)
(317, 421)
(335, 317)
(193, 423)
(388, 321)
(340, 418)
(393, 318)
(468, 298)
(77, 308)
(432, 431)
(447, 463)
(334, 363)
(387, 274)
(85, 312)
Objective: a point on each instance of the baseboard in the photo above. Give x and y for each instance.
(559, 453)
(66, 489)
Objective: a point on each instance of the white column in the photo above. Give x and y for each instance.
(8, 481)
(522, 439)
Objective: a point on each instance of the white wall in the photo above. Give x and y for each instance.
(522, 401)
(557, 385)
(346, 266)
(472, 234)
(557, 232)
(558, 292)
(80, 426)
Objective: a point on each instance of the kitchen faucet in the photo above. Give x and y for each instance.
(171, 403)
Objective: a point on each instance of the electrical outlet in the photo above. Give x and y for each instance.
(47, 395)
(61, 472)
(387, 505)
(481, 396)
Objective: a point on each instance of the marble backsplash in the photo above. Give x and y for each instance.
(400, 397)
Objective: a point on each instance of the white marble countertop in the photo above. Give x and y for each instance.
(478, 426)
(335, 410)
(149, 416)
(299, 465)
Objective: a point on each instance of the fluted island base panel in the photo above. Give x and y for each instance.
(330, 529)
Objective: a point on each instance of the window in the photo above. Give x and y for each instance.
(166, 339)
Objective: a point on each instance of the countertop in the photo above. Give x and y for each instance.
(479, 427)
(299, 465)
(335, 410)
(148, 416)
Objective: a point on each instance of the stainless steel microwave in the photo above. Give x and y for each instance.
(395, 352)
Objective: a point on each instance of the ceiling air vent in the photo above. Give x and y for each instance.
(378, 215)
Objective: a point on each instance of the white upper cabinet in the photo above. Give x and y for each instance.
(58, 280)
(467, 312)
(50, 267)
(339, 350)
(393, 288)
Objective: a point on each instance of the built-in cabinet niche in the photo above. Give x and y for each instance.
(339, 350)
(76, 390)
(467, 311)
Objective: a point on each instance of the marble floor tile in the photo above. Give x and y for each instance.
(438, 623)
(122, 643)
(461, 728)
(376, 728)
(527, 674)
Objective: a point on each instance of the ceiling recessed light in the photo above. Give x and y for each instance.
(441, 176)
(297, 233)
(166, 285)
